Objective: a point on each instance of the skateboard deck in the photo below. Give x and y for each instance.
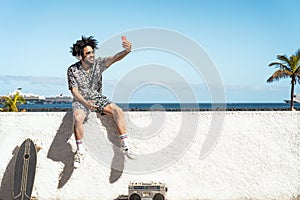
(24, 171)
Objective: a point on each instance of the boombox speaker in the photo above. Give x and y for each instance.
(147, 191)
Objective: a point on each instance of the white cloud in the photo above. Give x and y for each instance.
(42, 80)
(42, 85)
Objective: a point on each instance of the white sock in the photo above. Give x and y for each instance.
(124, 139)
(80, 147)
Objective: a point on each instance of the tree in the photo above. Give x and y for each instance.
(288, 68)
(11, 103)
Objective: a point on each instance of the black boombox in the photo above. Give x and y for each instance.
(147, 191)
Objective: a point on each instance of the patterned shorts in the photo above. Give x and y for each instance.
(101, 101)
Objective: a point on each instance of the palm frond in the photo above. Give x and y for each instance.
(298, 59)
(15, 99)
(283, 58)
(294, 60)
(277, 64)
(279, 74)
(297, 71)
(21, 100)
(297, 53)
(11, 104)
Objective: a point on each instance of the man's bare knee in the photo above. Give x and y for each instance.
(116, 109)
(112, 109)
(78, 117)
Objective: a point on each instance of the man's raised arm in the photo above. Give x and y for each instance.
(119, 56)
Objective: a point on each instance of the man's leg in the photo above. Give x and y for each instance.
(78, 118)
(118, 116)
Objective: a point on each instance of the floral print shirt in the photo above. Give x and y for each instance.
(89, 84)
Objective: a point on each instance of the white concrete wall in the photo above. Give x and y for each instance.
(256, 155)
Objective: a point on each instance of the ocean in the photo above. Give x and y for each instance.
(170, 106)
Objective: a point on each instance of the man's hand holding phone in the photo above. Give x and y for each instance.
(126, 44)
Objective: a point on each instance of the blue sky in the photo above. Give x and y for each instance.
(241, 37)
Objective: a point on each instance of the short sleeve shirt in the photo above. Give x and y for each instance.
(89, 84)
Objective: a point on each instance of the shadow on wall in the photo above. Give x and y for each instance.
(117, 164)
(6, 188)
(61, 151)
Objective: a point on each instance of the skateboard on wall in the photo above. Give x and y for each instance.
(24, 173)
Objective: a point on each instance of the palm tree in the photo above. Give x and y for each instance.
(11, 104)
(288, 68)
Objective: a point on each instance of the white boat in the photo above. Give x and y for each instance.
(59, 99)
(29, 97)
(39, 99)
(296, 99)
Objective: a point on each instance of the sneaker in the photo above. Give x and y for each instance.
(78, 159)
(128, 152)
